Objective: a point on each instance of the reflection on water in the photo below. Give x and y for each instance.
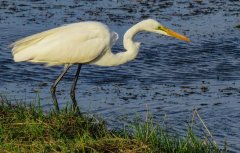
(168, 77)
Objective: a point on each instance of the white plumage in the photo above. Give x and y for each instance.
(74, 43)
(83, 43)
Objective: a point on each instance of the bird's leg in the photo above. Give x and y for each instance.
(53, 88)
(72, 93)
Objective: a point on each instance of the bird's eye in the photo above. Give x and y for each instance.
(160, 28)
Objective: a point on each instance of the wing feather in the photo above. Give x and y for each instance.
(114, 38)
(75, 43)
(33, 39)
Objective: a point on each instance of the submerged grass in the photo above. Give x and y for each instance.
(28, 129)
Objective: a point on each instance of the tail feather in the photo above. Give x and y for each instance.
(23, 56)
(24, 43)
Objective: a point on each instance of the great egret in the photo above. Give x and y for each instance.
(83, 43)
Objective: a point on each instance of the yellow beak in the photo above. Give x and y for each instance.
(175, 34)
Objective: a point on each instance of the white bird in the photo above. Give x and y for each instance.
(83, 43)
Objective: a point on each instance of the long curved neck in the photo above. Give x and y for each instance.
(132, 48)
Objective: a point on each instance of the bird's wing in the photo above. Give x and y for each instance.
(75, 43)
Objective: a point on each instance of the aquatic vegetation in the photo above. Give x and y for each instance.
(238, 26)
(29, 129)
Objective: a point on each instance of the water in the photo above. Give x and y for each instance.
(168, 76)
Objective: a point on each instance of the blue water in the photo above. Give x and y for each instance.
(168, 78)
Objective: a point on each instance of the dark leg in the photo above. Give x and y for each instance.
(53, 88)
(72, 93)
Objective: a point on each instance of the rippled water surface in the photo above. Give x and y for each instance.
(168, 77)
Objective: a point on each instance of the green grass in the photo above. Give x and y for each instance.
(30, 129)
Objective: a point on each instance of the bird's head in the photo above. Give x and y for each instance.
(155, 27)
